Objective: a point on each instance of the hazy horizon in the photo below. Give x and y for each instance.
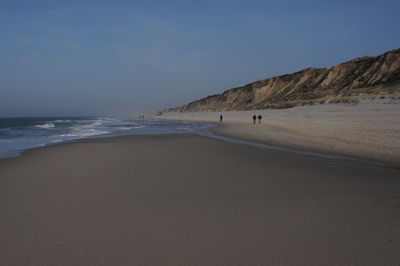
(119, 57)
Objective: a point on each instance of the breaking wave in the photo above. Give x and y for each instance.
(19, 134)
(47, 125)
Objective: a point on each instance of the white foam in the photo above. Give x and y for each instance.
(124, 128)
(85, 133)
(127, 127)
(62, 121)
(95, 124)
(47, 125)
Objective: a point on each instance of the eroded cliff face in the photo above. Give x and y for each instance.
(360, 77)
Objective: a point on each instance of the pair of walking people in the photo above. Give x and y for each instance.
(255, 118)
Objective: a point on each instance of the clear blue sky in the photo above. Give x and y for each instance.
(117, 57)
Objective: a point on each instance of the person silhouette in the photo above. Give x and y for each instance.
(254, 118)
(220, 118)
(259, 118)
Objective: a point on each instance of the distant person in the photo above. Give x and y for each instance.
(259, 119)
(254, 118)
(220, 118)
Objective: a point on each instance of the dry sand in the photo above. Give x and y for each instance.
(191, 200)
(370, 129)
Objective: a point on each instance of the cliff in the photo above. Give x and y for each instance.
(360, 77)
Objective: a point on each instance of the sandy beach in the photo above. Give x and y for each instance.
(192, 200)
(368, 130)
(127, 134)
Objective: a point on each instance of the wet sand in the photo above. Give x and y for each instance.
(191, 200)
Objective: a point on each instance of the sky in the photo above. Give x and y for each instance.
(101, 57)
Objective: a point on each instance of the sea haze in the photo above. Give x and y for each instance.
(20, 134)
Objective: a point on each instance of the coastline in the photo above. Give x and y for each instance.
(369, 130)
(186, 199)
(39, 132)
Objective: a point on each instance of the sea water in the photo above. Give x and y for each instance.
(20, 134)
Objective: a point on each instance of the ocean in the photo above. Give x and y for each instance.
(20, 134)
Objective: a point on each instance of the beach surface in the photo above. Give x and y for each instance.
(368, 130)
(190, 200)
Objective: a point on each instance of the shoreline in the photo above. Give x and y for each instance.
(367, 131)
(218, 131)
(21, 134)
(213, 133)
(131, 126)
(100, 138)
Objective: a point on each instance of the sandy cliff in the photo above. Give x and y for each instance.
(365, 76)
